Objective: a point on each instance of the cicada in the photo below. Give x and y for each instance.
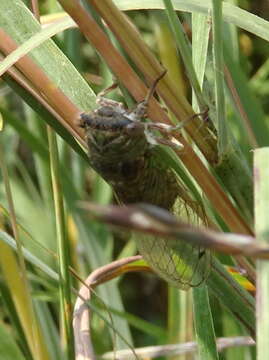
(121, 150)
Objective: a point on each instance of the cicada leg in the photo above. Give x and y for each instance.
(103, 101)
(167, 131)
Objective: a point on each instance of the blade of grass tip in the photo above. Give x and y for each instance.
(223, 141)
(17, 275)
(63, 248)
(261, 175)
(200, 37)
(185, 51)
(205, 335)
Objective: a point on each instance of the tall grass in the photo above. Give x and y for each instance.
(48, 245)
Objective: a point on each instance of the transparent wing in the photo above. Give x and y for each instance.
(177, 262)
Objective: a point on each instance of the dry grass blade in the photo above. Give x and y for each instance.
(157, 221)
(177, 349)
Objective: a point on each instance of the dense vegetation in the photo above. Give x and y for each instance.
(57, 55)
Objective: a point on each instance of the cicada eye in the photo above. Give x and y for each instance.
(135, 128)
(106, 111)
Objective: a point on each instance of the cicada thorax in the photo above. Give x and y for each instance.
(126, 160)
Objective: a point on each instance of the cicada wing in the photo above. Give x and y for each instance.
(179, 263)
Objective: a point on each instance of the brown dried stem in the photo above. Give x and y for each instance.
(152, 352)
(159, 222)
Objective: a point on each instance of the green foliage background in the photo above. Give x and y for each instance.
(48, 175)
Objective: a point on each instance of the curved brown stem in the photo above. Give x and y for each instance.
(81, 316)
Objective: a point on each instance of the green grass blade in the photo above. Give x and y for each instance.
(19, 275)
(204, 328)
(38, 129)
(200, 38)
(223, 141)
(17, 330)
(185, 52)
(8, 345)
(7, 239)
(63, 249)
(261, 173)
(50, 329)
(180, 327)
(167, 50)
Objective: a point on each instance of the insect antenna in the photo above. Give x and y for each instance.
(153, 87)
(108, 89)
